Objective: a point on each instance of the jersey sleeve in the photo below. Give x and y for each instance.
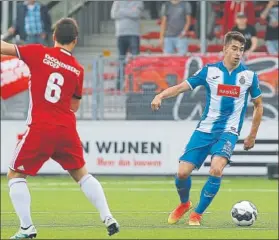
(198, 78)
(29, 53)
(255, 90)
(79, 87)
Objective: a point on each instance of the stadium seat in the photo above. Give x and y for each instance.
(156, 49)
(151, 35)
(145, 48)
(214, 48)
(193, 48)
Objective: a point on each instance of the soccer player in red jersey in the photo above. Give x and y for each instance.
(55, 90)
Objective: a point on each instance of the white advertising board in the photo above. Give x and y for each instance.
(147, 147)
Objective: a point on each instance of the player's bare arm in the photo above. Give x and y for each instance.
(75, 103)
(8, 49)
(249, 142)
(169, 92)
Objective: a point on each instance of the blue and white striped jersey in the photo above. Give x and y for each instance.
(226, 96)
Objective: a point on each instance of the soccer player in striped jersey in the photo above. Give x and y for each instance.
(228, 84)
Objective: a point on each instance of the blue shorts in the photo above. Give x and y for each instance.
(203, 144)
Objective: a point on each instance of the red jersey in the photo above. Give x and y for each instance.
(231, 8)
(56, 78)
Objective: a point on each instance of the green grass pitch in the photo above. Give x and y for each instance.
(141, 205)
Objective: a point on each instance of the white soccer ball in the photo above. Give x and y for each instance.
(244, 213)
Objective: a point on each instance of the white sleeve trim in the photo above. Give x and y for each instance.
(189, 84)
(17, 52)
(256, 97)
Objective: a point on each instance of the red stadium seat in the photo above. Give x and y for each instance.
(193, 48)
(151, 35)
(156, 49)
(150, 48)
(145, 48)
(214, 48)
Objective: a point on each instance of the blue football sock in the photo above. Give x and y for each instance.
(208, 192)
(183, 187)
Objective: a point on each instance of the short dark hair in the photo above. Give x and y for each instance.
(66, 31)
(234, 35)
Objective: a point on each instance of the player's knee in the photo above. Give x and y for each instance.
(184, 170)
(182, 174)
(216, 171)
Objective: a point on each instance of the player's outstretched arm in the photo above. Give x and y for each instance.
(249, 142)
(8, 49)
(169, 92)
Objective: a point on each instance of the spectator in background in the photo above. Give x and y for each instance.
(231, 8)
(176, 21)
(33, 23)
(271, 38)
(127, 15)
(248, 31)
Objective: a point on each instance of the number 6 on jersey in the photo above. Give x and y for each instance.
(53, 89)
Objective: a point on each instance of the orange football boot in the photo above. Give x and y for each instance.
(195, 219)
(178, 213)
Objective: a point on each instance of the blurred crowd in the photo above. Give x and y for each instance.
(178, 22)
(179, 18)
(32, 23)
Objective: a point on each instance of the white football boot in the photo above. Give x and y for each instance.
(30, 233)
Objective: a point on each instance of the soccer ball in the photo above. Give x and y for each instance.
(244, 213)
